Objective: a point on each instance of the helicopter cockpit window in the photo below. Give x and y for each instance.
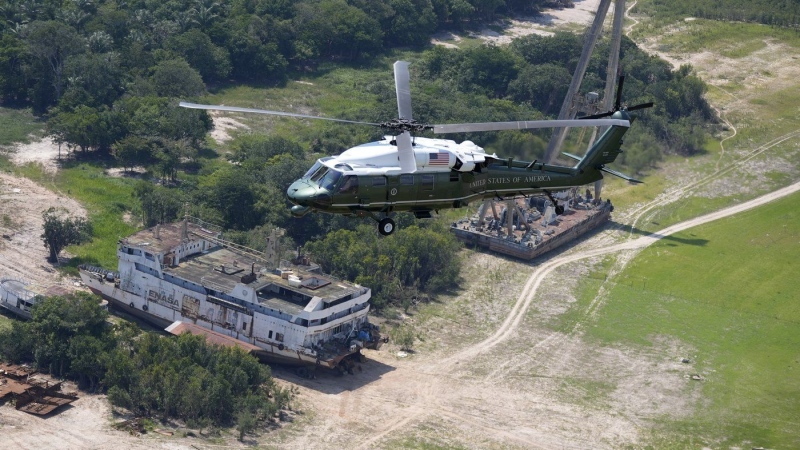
(350, 185)
(315, 168)
(316, 176)
(330, 179)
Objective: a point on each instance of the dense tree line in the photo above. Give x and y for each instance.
(180, 377)
(781, 13)
(395, 269)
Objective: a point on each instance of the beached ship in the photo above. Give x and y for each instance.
(19, 296)
(185, 277)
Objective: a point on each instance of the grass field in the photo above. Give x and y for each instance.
(728, 290)
(19, 125)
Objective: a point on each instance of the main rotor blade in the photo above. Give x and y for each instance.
(403, 88)
(264, 111)
(528, 124)
(640, 106)
(405, 153)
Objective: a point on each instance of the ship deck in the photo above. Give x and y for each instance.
(222, 268)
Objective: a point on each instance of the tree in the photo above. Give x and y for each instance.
(61, 230)
(211, 61)
(176, 78)
(53, 42)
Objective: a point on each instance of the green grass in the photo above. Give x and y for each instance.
(728, 290)
(106, 200)
(19, 125)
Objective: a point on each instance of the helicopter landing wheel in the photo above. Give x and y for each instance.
(386, 226)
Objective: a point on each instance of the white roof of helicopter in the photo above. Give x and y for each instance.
(382, 157)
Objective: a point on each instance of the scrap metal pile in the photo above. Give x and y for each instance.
(35, 395)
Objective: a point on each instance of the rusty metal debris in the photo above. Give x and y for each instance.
(38, 396)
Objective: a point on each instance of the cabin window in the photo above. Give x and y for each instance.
(350, 185)
(270, 334)
(149, 256)
(379, 181)
(279, 337)
(244, 326)
(407, 180)
(330, 179)
(427, 182)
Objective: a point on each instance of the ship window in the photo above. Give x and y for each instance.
(244, 326)
(407, 180)
(279, 337)
(350, 185)
(149, 256)
(427, 182)
(270, 334)
(130, 250)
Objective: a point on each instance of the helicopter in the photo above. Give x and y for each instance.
(421, 175)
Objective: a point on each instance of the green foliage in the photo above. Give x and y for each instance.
(404, 336)
(782, 13)
(395, 267)
(61, 230)
(182, 377)
(187, 378)
(65, 336)
(176, 78)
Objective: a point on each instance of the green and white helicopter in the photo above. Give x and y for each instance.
(422, 175)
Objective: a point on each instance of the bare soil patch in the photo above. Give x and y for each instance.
(223, 126)
(22, 252)
(44, 152)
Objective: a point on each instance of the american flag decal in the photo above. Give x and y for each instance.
(438, 159)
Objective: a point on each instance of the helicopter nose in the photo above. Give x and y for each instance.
(301, 193)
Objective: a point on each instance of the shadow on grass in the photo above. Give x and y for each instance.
(672, 239)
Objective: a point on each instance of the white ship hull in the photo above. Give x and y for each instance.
(164, 310)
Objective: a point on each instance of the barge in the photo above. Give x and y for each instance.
(526, 228)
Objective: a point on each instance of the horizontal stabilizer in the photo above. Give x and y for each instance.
(570, 155)
(621, 175)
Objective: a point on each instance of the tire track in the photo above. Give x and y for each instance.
(428, 399)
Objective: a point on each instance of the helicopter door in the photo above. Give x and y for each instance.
(373, 191)
(406, 191)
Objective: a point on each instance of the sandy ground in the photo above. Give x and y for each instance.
(223, 126)
(491, 373)
(22, 252)
(546, 24)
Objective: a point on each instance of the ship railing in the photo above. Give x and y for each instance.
(26, 293)
(213, 285)
(238, 247)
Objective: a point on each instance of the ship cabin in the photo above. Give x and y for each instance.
(229, 288)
